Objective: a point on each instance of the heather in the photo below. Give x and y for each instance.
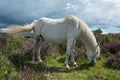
(16, 56)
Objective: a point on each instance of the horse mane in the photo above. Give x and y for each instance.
(87, 35)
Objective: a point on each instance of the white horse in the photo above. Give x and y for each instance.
(57, 31)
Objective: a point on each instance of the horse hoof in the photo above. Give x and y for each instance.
(92, 63)
(40, 61)
(67, 69)
(75, 65)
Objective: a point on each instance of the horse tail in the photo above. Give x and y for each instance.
(17, 29)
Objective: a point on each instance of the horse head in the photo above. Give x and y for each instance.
(93, 54)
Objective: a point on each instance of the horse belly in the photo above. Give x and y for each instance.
(55, 36)
(55, 41)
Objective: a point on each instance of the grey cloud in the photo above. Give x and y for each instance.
(94, 12)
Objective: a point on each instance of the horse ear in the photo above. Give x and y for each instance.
(97, 49)
(97, 45)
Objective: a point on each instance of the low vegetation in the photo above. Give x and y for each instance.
(16, 56)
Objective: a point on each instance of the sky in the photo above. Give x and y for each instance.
(103, 14)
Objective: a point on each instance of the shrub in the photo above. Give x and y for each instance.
(113, 61)
(29, 74)
(3, 42)
(44, 50)
(62, 48)
(112, 47)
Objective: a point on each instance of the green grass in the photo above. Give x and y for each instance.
(14, 64)
(7, 69)
(83, 72)
(53, 68)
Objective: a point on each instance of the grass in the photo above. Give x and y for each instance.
(7, 70)
(16, 64)
(53, 69)
(83, 72)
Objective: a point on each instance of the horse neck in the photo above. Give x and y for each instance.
(87, 36)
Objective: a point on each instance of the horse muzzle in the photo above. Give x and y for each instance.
(92, 63)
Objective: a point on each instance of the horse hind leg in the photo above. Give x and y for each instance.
(39, 49)
(35, 49)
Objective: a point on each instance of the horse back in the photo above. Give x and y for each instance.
(57, 30)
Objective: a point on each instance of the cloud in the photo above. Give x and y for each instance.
(100, 13)
(96, 13)
(112, 1)
(2, 24)
(71, 6)
(23, 10)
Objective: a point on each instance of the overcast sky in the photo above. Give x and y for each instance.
(104, 14)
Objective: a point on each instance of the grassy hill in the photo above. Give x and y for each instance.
(16, 56)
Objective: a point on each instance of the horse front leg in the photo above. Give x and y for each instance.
(69, 46)
(72, 54)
